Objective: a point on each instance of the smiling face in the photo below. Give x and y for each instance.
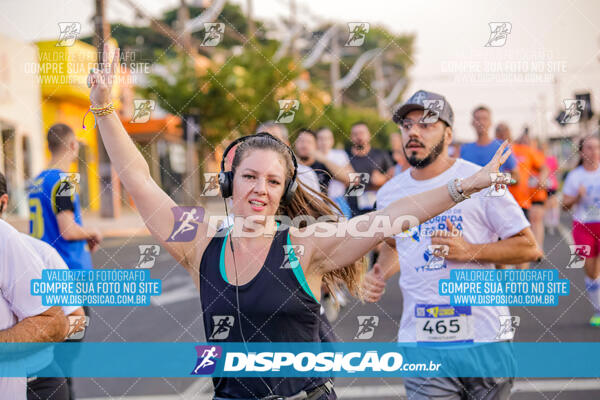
(258, 183)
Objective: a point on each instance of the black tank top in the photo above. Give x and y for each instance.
(275, 306)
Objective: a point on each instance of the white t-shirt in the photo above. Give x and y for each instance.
(50, 259)
(588, 208)
(482, 219)
(18, 266)
(308, 177)
(337, 188)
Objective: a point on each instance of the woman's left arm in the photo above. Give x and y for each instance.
(335, 245)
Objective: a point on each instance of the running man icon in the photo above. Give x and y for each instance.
(186, 223)
(366, 326)
(358, 183)
(222, 326)
(148, 254)
(206, 363)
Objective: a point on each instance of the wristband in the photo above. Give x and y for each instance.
(100, 111)
(456, 196)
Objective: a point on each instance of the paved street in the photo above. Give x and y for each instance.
(175, 317)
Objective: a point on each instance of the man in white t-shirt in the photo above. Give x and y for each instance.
(23, 318)
(42, 387)
(476, 225)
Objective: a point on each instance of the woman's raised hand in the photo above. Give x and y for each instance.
(490, 173)
(101, 81)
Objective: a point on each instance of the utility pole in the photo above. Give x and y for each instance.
(110, 205)
(251, 26)
(190, 125)
(294, 21)
(334, 71)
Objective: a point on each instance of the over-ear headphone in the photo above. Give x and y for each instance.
(226, 178)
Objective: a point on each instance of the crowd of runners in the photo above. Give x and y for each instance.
(462, 217)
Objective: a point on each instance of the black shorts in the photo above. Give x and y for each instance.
(526, 212)
(551, 192)
(538, 203)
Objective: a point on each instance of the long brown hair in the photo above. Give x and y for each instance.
(307, 202)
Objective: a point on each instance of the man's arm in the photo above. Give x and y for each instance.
(388, 258)
(517, 249)
(71, 230)
(49, 326)
(387, 265)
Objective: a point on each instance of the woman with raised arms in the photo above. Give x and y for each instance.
(244, 280)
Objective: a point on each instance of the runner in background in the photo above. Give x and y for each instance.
(552, 216)
(365, 159)
(581, 192)
(54, 206)
(336, 189)
(527, 162)
(481, 151)
(537, 189)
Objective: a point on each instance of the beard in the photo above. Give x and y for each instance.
(431, 157)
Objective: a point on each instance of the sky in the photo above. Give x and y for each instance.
(551, 52)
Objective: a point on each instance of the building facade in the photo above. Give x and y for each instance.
(21, 138)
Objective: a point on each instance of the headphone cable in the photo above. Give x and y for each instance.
(237, 295)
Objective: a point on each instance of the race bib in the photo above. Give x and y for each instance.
(366, 201)
(443, 323)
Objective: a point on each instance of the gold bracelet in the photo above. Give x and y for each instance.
(99, 111)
